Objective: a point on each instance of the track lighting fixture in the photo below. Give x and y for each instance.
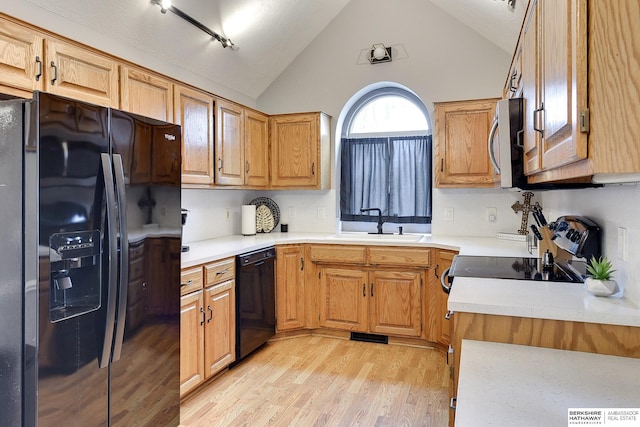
(166, 5)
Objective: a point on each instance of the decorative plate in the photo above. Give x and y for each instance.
(267, 214)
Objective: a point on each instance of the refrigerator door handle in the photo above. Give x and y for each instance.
(124, 256)
(105, 354)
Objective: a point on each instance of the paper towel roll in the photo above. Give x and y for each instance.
(248, 220)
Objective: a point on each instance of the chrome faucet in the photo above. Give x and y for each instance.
(380, 221)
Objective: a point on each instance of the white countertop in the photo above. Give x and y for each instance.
(137, 235)
(513, 385)
(543, 300)
(222, 247)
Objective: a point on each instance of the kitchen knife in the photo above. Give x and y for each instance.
(539, 216)
(536, 232)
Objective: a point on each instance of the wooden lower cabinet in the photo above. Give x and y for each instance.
(344, 298)
(192, 319)
(290, 287)
(387, 302)
(437, 326)
(219, 328)
(207, 322)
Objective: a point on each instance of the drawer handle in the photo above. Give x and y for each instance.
(218, 273)
(203, 316)
(219, 163)
(364, 289)
(55, 72)
(210, 313)
(435, 271)
(247, 167)
(39, 62)
(313, 168)
(371, 289)
(301, 264)
(453, 403)
(189, 282)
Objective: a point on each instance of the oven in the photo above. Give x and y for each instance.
(255, 300)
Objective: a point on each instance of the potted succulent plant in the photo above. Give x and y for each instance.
(599, 281)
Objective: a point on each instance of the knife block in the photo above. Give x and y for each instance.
(547, 244)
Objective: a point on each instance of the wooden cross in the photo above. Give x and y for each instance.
(525, 207)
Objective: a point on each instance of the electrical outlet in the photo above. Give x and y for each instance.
(228, 214)
(292, 212)
(622, 243)
(492, 214)
(448, 214)
(322, 213)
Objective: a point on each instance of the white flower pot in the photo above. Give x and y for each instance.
(601, 288)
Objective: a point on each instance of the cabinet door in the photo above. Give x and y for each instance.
(220, 333)
(194, 112)
(21, 60)
(461, 151)
(146, 94)
(82, 74)
(396, 303)
(344, 299)
(229, 143)
(564, 87)
(436, 301)
(290, 295)
(256, 149)
(531, 92)
(295, 150)
(192, 319)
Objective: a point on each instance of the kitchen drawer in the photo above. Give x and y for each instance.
(135, 291)
(220, 271)
(191, 280)
(398, 256)
(136, 250)
(136, 269)
(338, 253)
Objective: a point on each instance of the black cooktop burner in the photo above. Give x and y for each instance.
(516, 268)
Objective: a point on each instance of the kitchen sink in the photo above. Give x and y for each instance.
(377, 237)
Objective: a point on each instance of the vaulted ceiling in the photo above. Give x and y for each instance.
(269, 34)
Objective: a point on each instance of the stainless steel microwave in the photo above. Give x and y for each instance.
(506, 149)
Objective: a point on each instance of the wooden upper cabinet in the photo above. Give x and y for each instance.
(290, 292)
(256, 149)
(229, 165)
(80, 73)
(531, 91)
(146, 93)
(194, 112)
(300, 146)
(21, 60)
(461, 150)
(563, 91)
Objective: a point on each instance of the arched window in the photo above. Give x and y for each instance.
(385, 159)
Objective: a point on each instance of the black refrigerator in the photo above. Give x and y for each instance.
(90, 238)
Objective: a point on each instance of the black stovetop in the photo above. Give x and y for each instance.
(516, 268)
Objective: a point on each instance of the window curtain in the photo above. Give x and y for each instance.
(390, 173)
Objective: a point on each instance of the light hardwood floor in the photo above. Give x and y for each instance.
(321, 381)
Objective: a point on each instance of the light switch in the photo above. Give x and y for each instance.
(448, 214)
(622, 243)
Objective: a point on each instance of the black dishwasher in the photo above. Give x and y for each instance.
(255, 300)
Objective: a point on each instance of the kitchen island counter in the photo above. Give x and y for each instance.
(532, 386)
